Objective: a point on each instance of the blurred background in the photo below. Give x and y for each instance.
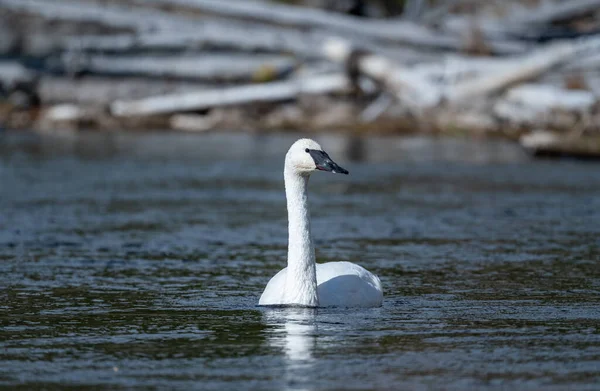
(142, 204)
(525, 70)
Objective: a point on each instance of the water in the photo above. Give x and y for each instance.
(136, 262)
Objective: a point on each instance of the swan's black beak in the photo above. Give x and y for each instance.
(324, 162)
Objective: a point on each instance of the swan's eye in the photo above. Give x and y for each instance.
(307, 150)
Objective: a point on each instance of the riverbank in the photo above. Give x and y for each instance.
(200, 65)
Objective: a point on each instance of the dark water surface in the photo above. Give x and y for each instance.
(136, 262)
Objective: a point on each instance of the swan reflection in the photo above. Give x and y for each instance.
(295, 331)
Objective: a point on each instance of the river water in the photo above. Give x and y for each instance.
(135, 261)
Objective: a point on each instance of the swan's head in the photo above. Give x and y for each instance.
(306, 156)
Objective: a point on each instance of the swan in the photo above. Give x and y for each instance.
(304, 282)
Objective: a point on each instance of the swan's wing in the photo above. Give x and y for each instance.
(339, 284)
(273, 293)
(345, 284)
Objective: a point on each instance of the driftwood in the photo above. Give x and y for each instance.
(551, 144)
(421, 89)
(155, 28)
(160, 62)
(522, 70)
(226, 67)
(101, 91)
(195, 122)
(149, 29)
(396, 31)
(64, 113)
(112, 16)
(219, 36)
(525, 22)
(540, 105)
(408, 86)
(13, 75)
(159, 29)
(315, 18)
(559, 12)
(542, 98)
(210, 35)
(267, 92)
(442, 10)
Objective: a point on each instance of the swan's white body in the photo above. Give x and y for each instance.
(304, 282)
(339, 284)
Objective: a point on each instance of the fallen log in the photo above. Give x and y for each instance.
(149, 29)
(455, 68)
(543, 143)
(267, 92)
(117, 17)
(195, 122)
(543, 105)
(304, 45)
(540, 98)
(209, 35)
(154, 28)
(13, 75)
(522, 69)
(553, 13)
(223, 67)
(523, 23)
(101, 91)
(419, 90)
(396, 31)
(407, 85)
(586, 80)
(442, 10)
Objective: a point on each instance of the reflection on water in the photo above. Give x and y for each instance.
(295, 331)
(148, 253)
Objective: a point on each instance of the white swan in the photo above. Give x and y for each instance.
(304, 282)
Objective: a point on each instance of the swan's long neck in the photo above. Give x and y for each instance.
(301, 279)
